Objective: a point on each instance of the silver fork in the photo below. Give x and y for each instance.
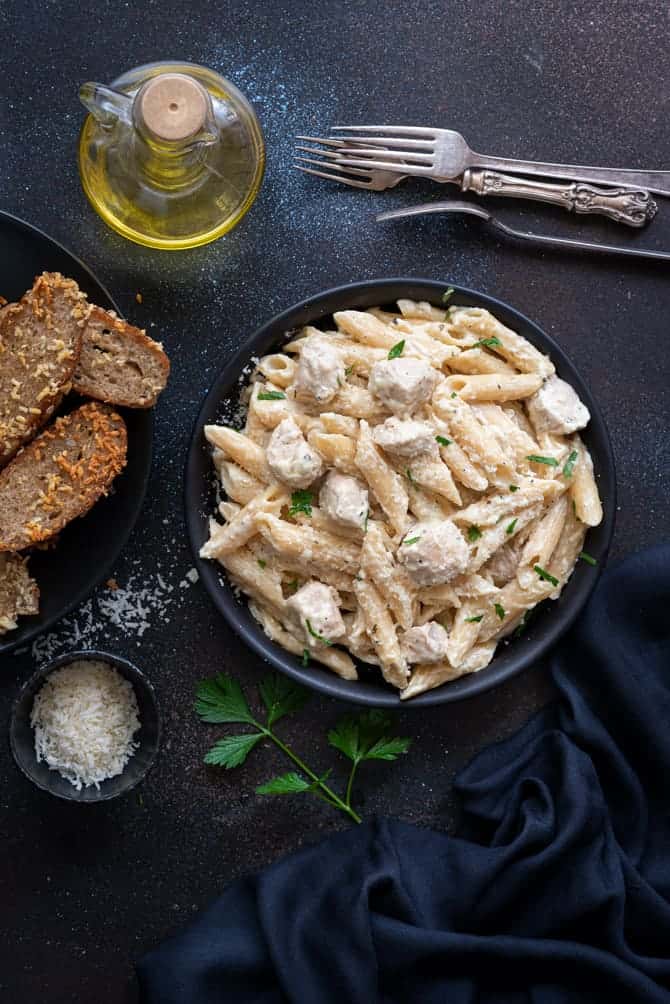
(444, 154)
(633, 207)
(372, 179)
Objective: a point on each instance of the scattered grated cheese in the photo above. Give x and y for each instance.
(85, 717)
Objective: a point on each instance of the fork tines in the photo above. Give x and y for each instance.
(350, 174)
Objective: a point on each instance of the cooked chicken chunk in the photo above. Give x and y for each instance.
(402, 384)
(427, 643)
(290, 457)
(434, 553)
(316, 609)
(320, 369)
(405, 438)
(556, 408)
(344, 499)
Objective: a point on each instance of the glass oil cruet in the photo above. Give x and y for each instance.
(171, 154)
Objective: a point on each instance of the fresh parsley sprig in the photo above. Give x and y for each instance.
(366, 736)
(397, 350)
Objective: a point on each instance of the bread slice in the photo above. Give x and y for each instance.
(19, 594)
(40, 342)
(119, 364)
(60, 475)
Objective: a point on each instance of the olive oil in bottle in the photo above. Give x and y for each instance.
(171, 154)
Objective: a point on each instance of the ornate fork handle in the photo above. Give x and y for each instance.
(624, 205)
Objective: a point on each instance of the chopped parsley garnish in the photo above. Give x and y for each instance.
(453, 394)
(588, 558)
(545, 576)
(412, 540)
(500, 611)
(474, 620)
(514, 488)
(410, 477)
(443, 441)
(549, 461)
(397, 350)
(305, 657)
(315, 634)
(447, 295)
(570, 464)
(271, 395)
(488, 343)
(262, 563)
(349, 370)
(301, 501)
(293, 585)
(474, 533)
(510, 528)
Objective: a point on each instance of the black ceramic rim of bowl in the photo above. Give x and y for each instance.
(550, 620)
(21, 736)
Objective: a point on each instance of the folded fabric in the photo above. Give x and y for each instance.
(557, 888)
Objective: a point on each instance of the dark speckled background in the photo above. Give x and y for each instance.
(85, 891)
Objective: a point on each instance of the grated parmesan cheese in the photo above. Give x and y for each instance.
(85, 717)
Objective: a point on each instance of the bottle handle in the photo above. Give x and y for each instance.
(106, 104)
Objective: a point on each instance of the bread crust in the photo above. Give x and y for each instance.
(60, 475)
(40, 345)
(119, 363)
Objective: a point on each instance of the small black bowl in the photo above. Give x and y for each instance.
(549, 621)
(22, 738)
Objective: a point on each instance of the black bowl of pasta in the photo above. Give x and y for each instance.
(401, 502)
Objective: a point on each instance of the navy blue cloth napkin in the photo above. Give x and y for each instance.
(557, 888)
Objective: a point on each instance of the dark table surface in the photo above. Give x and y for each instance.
(84, 891)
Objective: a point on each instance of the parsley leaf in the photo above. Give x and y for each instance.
(453, 394)
(545, 576)
(412, 540)
(443, 441)
(349, 370)
(366, 737)
(514, 488)
(231, 751)
(315, 634)
(271, 395)
(281, 697)
(447, 295)
(285, 784)
(305, 657)
(292, 585)
(410, 477)
(500, 611)
(549, 461)
(570, 464)
(301, 501)
(489, 343)
(397, 350)
(220, 699)
(588, 558)
(510, 528)
(474, 533)
(474, 620)
(262, 563)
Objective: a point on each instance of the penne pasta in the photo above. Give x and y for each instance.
(357, 509)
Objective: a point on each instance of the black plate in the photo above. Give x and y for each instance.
(550, 620)
(89, 546)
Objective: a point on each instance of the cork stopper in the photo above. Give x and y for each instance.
(173, 106)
